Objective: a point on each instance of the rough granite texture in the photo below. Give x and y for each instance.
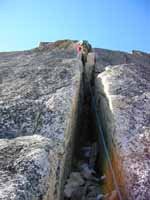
(39, 94)
(24, 167)
(40, 97)
(123, 100)
(106, 57)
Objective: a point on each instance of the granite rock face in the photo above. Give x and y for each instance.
(24, 167)
(40, 103)
(39, 99)
(106, 57)
(123, 100)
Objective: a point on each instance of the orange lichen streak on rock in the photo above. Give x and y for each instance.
(108, 186)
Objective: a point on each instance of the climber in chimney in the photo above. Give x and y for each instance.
(83, 48)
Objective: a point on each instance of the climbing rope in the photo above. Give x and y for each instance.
(101, 135)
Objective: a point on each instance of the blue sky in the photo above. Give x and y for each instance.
(111, 24)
